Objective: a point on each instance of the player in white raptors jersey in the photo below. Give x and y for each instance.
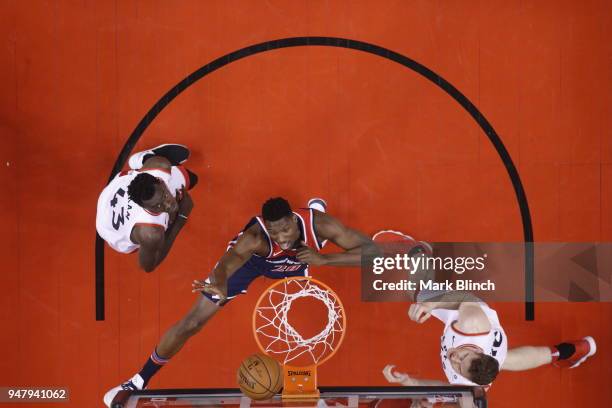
(474, 346)
(144, 208)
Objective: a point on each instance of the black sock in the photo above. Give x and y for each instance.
(151, 367)
(193, 179)
(566, 350)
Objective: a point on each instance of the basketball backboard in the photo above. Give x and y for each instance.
(353, 397)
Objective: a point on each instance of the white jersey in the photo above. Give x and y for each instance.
(117, 214)
(493, 343)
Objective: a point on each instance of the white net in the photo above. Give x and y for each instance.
(278, 337)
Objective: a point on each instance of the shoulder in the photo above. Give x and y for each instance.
(472, 318)
(252, 239)
(325, 224)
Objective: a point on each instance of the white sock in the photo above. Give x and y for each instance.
(136, 160)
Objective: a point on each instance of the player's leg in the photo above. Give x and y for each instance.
(175, 154)
(568, 354)
(174, 338)
(171, 342)
(205, 307)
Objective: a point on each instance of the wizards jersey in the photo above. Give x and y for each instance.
(280, 263)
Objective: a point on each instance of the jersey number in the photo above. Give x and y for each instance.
(286, 268)
(499, 338)
(118, 219)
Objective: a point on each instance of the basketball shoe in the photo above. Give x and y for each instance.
(133, 384)
(582, 349)
(175, 153)
(317, 204)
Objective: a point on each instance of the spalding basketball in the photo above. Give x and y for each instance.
(260, 377)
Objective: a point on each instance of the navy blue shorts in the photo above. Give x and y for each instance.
(257, 266)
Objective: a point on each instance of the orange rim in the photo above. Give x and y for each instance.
(318, 282)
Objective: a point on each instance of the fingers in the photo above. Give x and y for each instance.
(303, 249)
(388, 373)
(418, 313)
(303, 254)
(414, 312)
(411, 311)
(424, 317)
(392, 376)
(197, 286)
(203, 286)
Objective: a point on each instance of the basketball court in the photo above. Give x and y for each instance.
(370, 112)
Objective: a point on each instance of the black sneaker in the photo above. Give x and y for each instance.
(175, 153)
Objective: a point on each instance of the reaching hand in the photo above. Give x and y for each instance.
(396, 377)
(308, 255)
(420, 312)
(211, 289)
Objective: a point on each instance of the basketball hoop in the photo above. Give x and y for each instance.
(278, 334)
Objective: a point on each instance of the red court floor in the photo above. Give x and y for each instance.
(384, 146)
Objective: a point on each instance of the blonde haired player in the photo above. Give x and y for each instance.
(474, 345)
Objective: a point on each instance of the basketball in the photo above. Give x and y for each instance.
(260, 377)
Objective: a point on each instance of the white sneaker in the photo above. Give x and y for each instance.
(175, 153)
(133, 384)
(318, 204)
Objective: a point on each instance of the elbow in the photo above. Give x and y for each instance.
(148, 268)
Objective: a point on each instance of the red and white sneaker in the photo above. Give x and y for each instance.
(585, 348)
(318, 204)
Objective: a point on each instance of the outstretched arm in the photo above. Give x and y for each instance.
(330, 228)
(247, 244)
(396, 377)
(527, 358)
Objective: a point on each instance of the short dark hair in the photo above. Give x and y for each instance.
(483, 369)
(275, 208)
(142, 188)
